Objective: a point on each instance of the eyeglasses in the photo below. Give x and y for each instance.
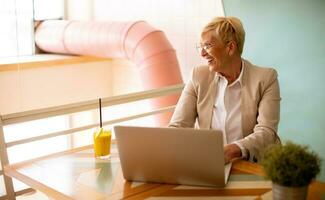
(206, 47)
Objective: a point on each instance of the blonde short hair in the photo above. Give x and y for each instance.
(227, 29)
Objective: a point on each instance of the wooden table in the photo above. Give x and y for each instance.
(76, 174)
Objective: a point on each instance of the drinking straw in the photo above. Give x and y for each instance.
(100, 113)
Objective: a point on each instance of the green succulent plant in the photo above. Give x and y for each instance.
(290, 164)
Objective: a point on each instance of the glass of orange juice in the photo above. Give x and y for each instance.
(102, 143)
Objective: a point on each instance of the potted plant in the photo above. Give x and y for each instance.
(291, 167)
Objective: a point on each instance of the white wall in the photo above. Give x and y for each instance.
(25, 89)
(181, 20)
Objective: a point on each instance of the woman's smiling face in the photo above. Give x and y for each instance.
(213, 51)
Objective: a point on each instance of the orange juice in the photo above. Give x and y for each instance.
(102, 142)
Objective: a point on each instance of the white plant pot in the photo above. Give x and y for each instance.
(289, 193)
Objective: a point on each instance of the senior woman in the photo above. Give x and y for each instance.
(230, 94)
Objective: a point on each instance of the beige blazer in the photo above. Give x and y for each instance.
(260, 105)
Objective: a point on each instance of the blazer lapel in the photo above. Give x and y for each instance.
(244, 94)
(212, 98)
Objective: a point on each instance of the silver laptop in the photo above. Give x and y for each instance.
(172, 155)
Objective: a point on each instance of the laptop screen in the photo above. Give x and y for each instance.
(172, 155)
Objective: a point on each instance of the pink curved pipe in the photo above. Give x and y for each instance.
(137, 41)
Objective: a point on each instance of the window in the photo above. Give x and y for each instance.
(17, 23)
(16, 33)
